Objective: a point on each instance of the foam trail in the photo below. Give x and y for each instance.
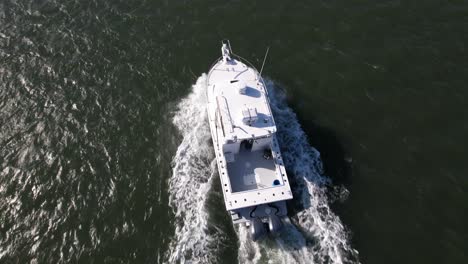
(249, 250)
(316, 234)
(193, 173)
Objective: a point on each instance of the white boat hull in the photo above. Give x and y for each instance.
(253, 178)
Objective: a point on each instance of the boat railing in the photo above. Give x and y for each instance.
(242, 60)
(212, 66)
(257, 73)
(218, 111)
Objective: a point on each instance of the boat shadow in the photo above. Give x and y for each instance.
(332, 183)
(336, 160)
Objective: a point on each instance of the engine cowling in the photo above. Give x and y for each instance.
(274, 224)
(257, 229)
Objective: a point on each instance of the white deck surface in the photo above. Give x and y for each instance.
(251, 171)
(247, 179)
(220, 86)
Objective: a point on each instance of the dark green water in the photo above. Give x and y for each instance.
(105, 158)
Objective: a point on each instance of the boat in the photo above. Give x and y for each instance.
(253, 178)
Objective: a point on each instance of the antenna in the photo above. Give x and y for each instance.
(264, 59)
(230, 49)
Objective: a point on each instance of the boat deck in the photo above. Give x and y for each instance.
(223, 89)
(247, 178)
(251, 171)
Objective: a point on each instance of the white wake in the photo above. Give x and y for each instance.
(193, 172)
(314, 235)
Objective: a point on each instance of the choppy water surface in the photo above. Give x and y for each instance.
(106, 156)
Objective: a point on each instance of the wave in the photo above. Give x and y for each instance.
(313, 234)
(194, 168)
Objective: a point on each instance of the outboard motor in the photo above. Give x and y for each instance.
(274, 224)
(257, 230)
